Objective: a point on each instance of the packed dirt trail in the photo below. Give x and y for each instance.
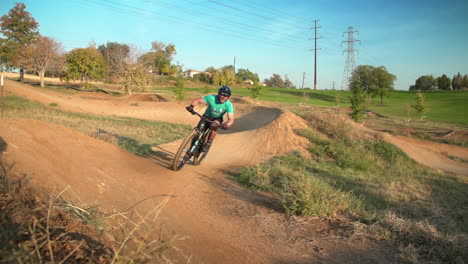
(224, 223)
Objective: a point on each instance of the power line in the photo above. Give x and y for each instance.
(164, 17)
(219, 19)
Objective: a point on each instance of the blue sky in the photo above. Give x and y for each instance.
(410, 38)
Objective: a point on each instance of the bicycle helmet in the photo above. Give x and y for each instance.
(224, 90)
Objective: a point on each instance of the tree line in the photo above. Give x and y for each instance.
(23, 47)
(429, 83)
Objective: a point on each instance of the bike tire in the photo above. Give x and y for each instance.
(201, 156)
(180, 159)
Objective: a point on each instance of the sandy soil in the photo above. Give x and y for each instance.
(225, 223)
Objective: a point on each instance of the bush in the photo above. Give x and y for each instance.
(302, 191)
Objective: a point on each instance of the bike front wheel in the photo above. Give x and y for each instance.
(183, 155)
(202, 154)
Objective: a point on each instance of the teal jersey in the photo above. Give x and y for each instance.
(215, 108)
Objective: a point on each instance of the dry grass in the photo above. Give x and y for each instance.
(37, 227)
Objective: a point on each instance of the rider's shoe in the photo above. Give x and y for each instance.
(207, 145)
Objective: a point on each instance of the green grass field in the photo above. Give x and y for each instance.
(445, 106)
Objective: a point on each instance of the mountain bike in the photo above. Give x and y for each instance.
(193, 144)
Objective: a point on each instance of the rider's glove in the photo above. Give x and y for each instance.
(190, 108)
(224, 126)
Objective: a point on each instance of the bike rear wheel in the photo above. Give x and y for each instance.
(183, 156)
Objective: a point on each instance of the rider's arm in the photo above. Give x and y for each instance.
(197, 101)
(230, 117)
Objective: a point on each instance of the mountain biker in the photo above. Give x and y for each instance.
(218, 105)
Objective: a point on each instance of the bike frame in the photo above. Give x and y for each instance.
(197, 139)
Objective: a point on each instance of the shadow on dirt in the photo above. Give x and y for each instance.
(161, 157)
(257, 118)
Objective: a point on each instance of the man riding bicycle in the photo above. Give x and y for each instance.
(218, 105)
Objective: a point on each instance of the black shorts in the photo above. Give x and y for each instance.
(206, 123)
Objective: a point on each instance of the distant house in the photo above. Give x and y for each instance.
(261, 83)
(192, 73)
(249, 82)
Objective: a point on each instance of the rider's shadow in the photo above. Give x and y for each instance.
(258, 118)
(161, 156)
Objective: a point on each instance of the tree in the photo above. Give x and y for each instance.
(255, 90)
(211, 70)
(20, 29)
(358, 103)
(444, 82)
(275, 81)
(84, 64)
(135, 76)
(224, 76)
(420, 106)
(383, 81)
(179, 90)
(245, 74)
(465, 81)
(424, 83)
(38, 56)
(457, 82)
(159, 58)
(288, 83)
(362, 79)
(116, 57)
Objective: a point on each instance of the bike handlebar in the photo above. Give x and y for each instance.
(193, 112)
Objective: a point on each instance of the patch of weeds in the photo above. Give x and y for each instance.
(421, 135)
(458, 159)
(18, 103)
(53, 104)
(419, 241)
(302, 191)
(134, 104)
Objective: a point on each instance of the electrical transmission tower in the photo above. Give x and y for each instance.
(350, 61)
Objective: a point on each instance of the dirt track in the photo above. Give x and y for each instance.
(225, 223)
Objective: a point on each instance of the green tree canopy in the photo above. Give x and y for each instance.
(457, 82)
(361, 78)
(245, 74)
(444, 82)
(211, 69)
(424, 83)
(84, 64)
(19, 29)
(224, 76)
(465, 81)
(383, 81)
(160, 57)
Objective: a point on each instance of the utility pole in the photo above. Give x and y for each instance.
(234, 64)
(303, 78)
(315, 52)
(350, 61)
